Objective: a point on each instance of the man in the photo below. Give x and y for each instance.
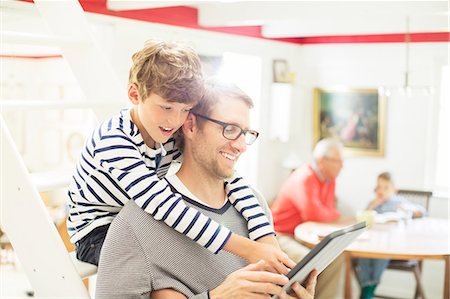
(142, 257)
(309, 195)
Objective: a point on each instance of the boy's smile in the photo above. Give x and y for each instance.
(167, 131)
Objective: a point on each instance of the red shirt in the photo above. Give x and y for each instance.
(304, 197)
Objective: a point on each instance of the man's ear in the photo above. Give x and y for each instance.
(133, 94)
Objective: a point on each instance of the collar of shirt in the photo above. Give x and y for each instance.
(175, 181)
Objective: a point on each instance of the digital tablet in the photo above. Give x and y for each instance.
(324, 253)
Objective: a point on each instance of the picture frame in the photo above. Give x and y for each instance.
(280, 71)
(355, 116)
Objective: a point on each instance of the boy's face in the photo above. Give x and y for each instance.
(210, 149)
(159, 118)
(384, 189)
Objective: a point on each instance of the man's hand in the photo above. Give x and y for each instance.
(251, 282)
(305, 293)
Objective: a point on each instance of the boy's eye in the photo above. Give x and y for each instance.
(166, 107)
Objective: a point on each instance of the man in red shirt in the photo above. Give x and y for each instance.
(309, 195)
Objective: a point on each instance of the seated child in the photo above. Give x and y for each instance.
(369, 271)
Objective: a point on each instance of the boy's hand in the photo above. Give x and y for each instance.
(276, 260)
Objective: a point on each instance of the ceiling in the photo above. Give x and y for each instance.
(293, 19)
(301, 22)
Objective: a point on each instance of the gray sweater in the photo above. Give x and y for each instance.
(141, 254)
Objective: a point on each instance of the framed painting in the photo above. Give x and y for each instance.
(354, 116)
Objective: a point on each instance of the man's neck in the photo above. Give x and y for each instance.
(203, 185)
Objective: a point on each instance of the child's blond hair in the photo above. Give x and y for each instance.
(170, 70)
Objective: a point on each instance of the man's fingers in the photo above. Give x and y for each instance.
(311, 282)
(301, 292)
(266, 288)
(264, 276)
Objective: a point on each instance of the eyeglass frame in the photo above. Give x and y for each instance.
(224, 125)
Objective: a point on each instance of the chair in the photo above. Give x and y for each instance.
(414, 266)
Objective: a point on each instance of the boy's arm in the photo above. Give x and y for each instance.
(154, 196)
(266, 248)
(244, 200)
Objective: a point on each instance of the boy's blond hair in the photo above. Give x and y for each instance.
(170, 70)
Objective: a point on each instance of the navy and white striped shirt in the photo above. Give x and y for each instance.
(116, 165)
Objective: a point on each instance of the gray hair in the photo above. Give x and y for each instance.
(324, 146)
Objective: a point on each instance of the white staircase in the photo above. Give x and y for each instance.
(51, 271)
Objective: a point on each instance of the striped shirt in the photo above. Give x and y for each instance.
(141, 255)
(116, 165)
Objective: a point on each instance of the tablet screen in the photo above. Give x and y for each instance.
(324, 253)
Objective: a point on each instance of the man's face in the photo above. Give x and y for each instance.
(210, 149)
(332, 164)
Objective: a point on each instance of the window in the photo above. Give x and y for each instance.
(443, 142)
(245, 72)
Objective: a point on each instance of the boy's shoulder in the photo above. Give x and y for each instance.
(120, 123)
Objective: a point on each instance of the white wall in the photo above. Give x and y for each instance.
(411, 121)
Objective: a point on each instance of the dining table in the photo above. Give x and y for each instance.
(425, 238)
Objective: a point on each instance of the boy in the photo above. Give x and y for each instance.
(126, 157)
(386, 200)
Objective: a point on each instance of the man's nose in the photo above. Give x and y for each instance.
(239, 144)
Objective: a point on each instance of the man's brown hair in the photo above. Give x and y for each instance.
(215, 91)
(170, 70)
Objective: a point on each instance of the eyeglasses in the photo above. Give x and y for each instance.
(233, 132)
